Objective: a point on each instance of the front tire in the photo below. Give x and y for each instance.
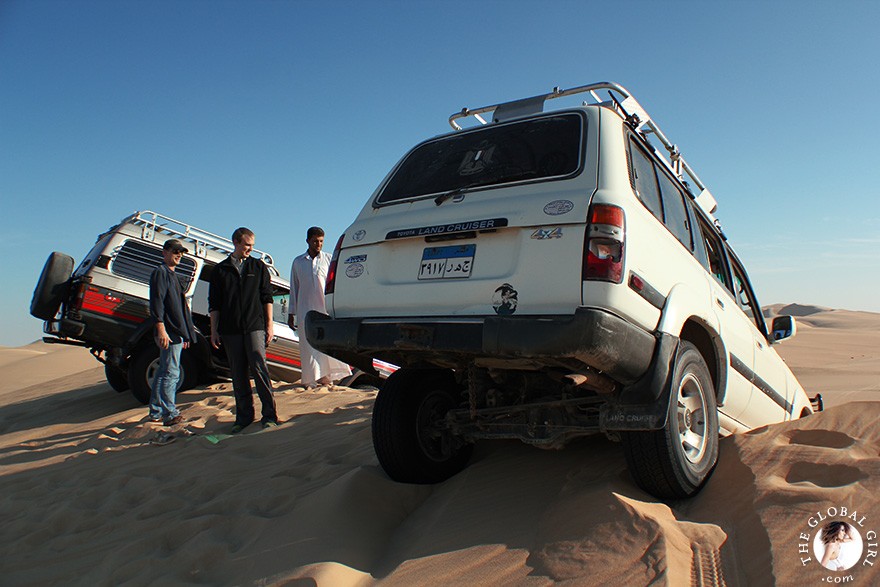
(675, 462)
(408, 436)
(142, 368)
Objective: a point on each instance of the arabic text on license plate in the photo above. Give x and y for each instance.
(453, 262)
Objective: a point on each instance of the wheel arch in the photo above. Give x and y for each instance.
(138, 339)
(688, 314)
(710, 346)
(201, 351)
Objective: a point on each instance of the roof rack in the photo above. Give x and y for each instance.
(157, 226)
(626, 105)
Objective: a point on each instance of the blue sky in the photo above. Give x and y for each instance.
(281, 115)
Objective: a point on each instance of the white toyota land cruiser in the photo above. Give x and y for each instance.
(543, 276)
(104, 304)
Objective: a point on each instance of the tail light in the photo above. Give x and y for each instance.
(604, 244)
(79, 293)
(330, 286)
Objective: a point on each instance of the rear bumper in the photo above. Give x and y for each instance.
(94, 329)
(593, 337)
(64, 328)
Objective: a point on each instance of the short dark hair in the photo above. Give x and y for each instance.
(240, 232)
(314, 231)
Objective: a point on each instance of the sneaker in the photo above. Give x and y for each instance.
(236, 428)
(163, 438)
(155, 418)
(269, 424)
(175, 420)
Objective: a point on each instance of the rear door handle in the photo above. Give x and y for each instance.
(720, 303)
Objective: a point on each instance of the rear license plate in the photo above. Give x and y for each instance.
(453, 262)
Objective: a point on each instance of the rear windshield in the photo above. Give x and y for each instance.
(534, 149)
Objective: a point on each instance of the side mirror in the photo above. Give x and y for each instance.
(784, 327)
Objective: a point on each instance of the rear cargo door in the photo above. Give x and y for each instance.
(498, 230)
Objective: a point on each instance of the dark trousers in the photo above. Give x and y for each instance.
(247, 355)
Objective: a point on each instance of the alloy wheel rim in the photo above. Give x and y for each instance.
(691, 419)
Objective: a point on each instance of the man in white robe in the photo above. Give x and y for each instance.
(308, 275)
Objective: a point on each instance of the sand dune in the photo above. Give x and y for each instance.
(88, 500)
(798, 310)
(836, 353)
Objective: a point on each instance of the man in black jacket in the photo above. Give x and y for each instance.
(174, 331)
(240, 306)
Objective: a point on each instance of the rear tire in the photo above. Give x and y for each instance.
(116, 377)
(410, 442)
(675, 462)
(142, 368)
(52, 286)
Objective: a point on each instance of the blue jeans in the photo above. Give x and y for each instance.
(165, 383)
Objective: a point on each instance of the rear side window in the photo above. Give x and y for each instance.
(644, 180)
(676, 213)
(280, 301)
(547, 147)
(136, 260)
(714, 260)
(745, 296)
(659, 193)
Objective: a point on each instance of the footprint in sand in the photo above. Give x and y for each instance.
(824, 475)
(824, 438)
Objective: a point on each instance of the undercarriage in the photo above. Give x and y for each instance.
(541, 408)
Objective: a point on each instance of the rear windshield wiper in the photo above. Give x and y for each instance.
(456, 192)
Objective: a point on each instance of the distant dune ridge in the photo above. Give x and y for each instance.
(87, 500)
(798, 310)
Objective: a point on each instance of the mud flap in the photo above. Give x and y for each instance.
(644, 405)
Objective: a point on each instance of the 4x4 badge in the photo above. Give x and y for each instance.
(547, 233)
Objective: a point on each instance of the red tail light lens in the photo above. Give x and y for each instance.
(604, 244)
(80, 293)
(604, 261)
(330, 286)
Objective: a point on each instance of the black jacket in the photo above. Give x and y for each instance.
(240, 298)
(168, 305)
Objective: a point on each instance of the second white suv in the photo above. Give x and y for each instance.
(103, 304)
(545, 275)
